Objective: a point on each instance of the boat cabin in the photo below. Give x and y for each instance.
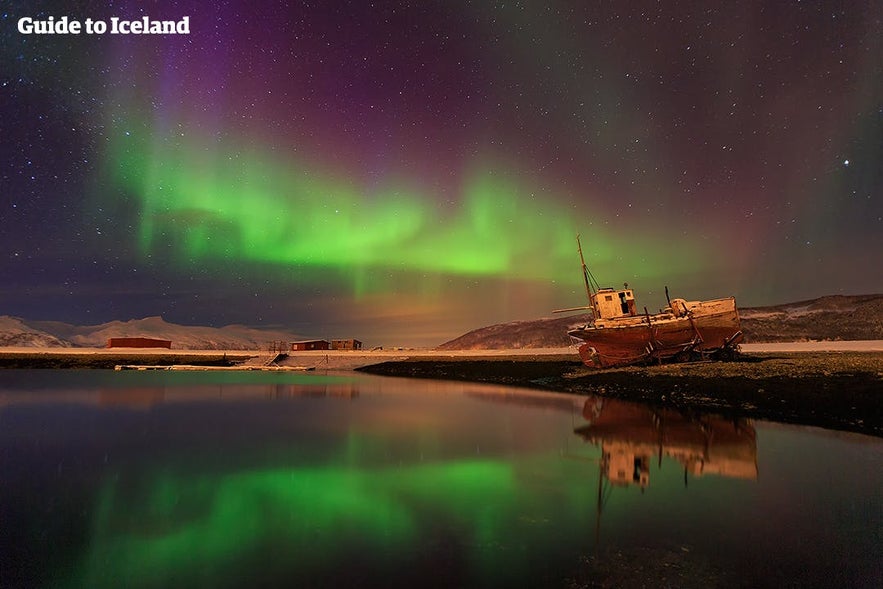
(609, 303)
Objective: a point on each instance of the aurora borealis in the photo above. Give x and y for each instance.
(404, 172)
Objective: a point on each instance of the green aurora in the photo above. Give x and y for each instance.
(229, 204)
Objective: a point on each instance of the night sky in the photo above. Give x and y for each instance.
(403, 172)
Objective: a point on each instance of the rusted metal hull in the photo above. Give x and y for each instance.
(662, 337)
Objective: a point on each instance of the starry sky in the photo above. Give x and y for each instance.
(403, 172)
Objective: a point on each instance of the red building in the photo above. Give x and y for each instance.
(138, 342)
(313, 344)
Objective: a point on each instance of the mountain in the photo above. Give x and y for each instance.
(23, 333)
(836, 317)
(16, 333)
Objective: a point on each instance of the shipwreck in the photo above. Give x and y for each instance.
(620, 335)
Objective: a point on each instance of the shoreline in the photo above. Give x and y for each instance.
(835, 385)
(833, 390)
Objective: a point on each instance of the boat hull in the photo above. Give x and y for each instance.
(710, 327)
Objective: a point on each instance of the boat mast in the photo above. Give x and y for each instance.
(586, 274)
(592, 286)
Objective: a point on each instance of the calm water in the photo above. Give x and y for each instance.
(160, 479)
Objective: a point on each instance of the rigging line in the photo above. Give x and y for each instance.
(592, 279)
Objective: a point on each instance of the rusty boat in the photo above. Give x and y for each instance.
(620, 335)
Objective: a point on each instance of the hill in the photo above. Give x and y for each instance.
(43, 334)
(836, 317)
(15, 332)
(830, 318)
(538, 333)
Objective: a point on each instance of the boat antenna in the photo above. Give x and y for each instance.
(591, 284)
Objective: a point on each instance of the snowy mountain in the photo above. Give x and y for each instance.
(23, 333)
(15, 332)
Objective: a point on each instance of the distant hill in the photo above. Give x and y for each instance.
(538, 333)
(43, 334)
(16, 333)
(836, 317)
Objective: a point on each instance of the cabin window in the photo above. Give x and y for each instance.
(623, 305)
(608, 298)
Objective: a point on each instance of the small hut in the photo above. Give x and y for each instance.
(346, 344)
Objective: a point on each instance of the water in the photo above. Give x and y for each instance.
(159, 479)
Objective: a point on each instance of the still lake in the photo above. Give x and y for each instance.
(220, 479)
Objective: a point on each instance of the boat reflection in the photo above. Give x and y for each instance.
(630, 434)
